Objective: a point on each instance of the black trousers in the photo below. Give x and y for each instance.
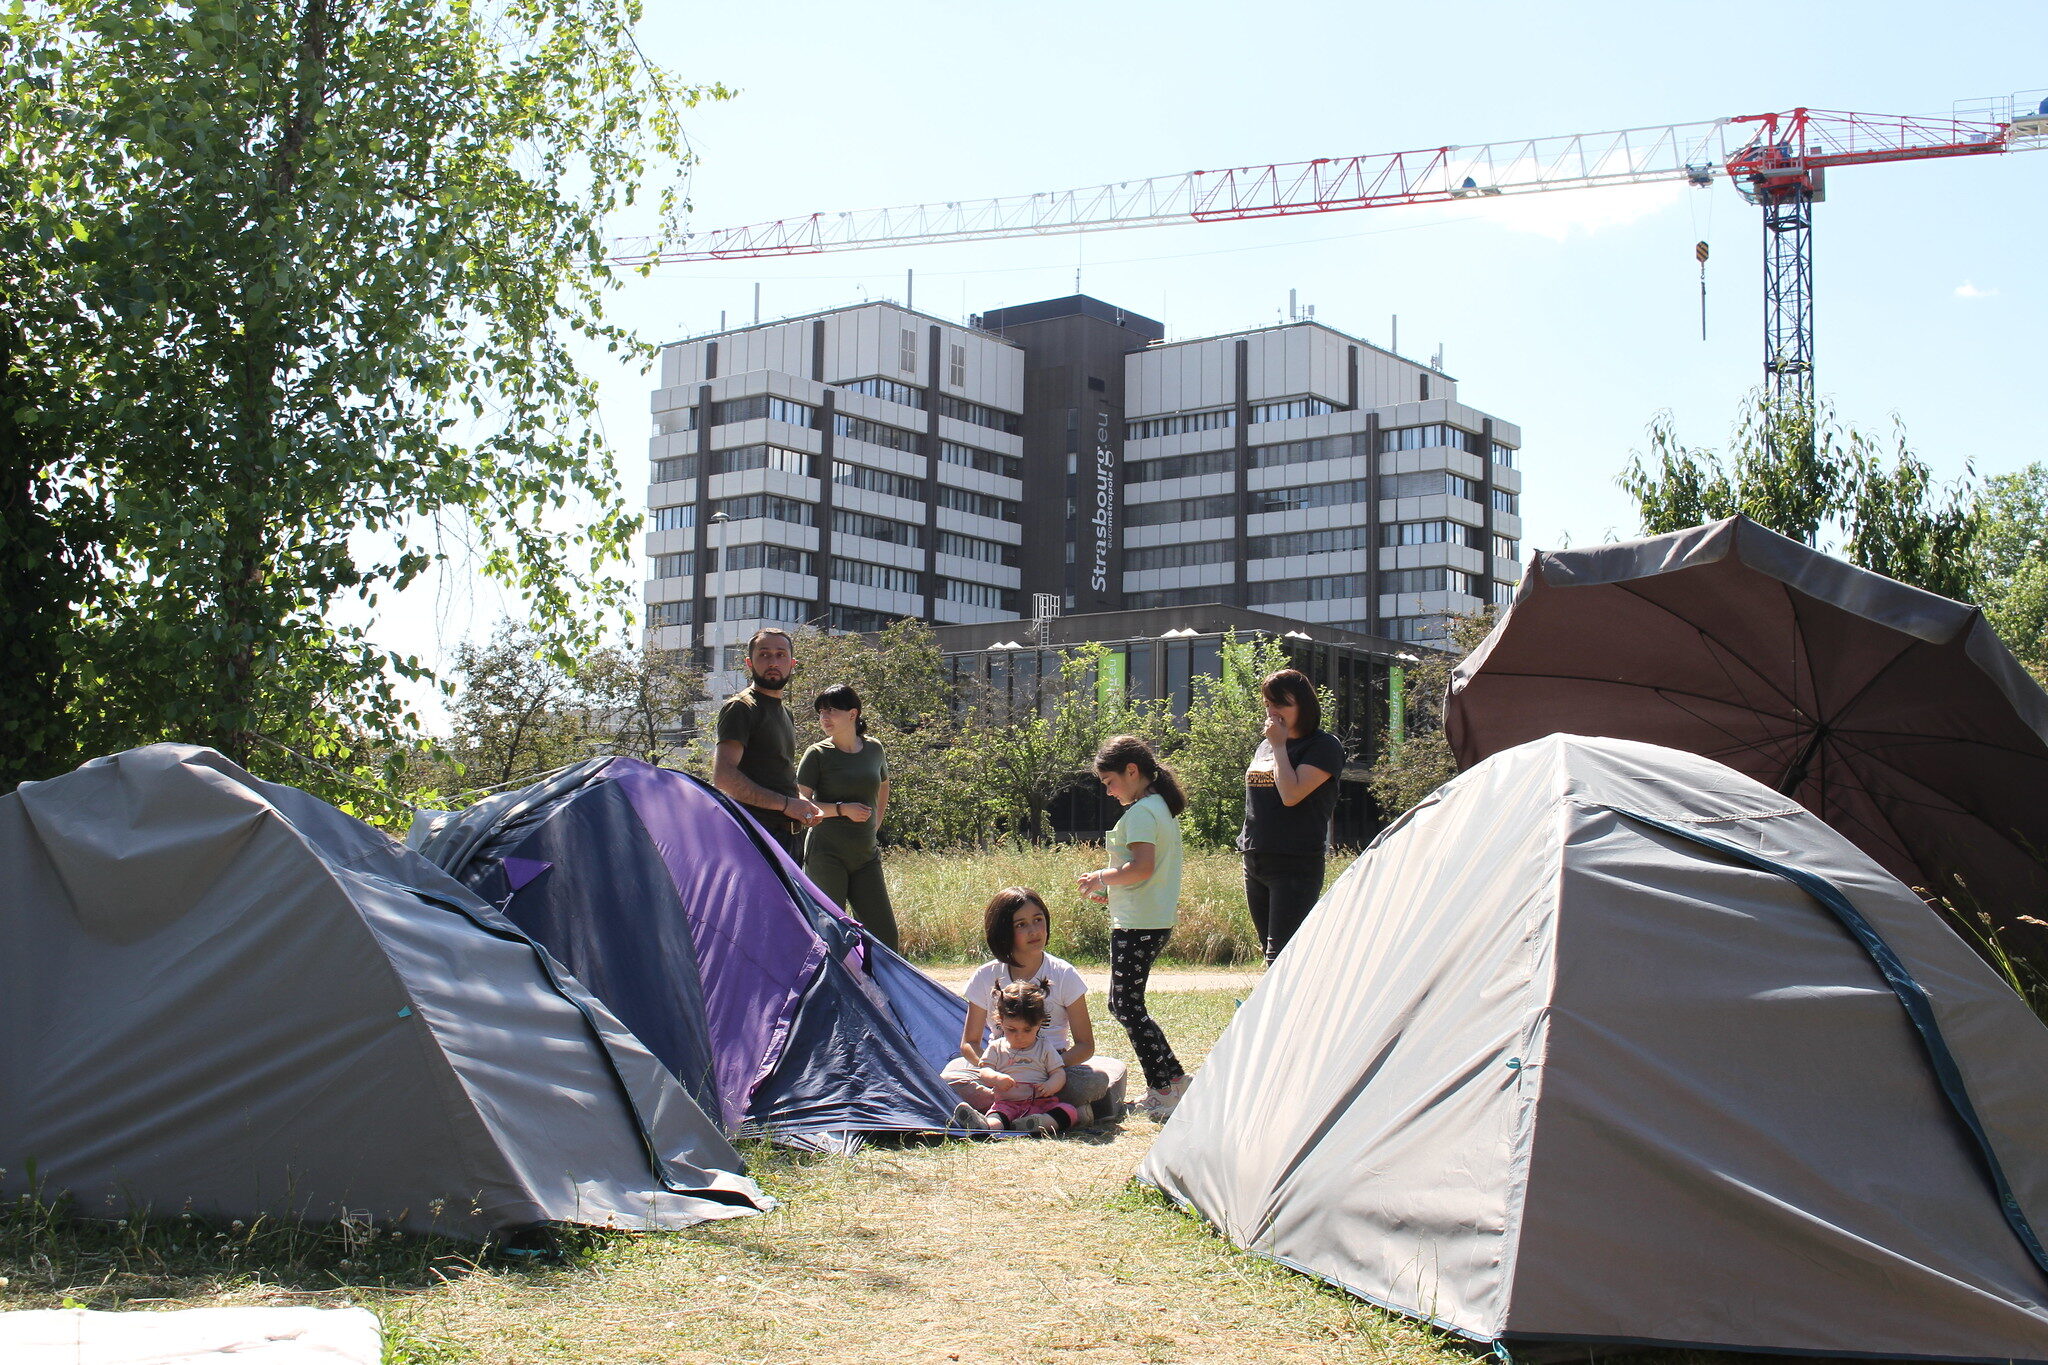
(1280, 888)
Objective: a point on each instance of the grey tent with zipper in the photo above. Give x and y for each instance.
(1605, 1042)
(224, 995)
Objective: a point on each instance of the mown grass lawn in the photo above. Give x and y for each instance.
(1007, 1251)
(1018, 1252)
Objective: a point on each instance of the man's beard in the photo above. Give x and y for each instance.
(769, 678)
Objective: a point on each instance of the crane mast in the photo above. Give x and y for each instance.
(1778, 161)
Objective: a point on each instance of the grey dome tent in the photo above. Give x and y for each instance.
(224, 995)
(1605, 1042)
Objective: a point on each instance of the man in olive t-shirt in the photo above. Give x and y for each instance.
(756, 763)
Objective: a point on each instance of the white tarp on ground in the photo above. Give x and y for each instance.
(1609, 1042)
(257, 1336)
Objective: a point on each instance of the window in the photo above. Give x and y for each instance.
(1176, 510)
(906, 351)
(1172, 597)
(1428, 580)
(1179, 556)
(877, 480)
(1292, 407)
(862, 574)
(668, 471)
(1503, 456)
(974, 547)
(1335, 540)
(1321, 588)
(956, 365)
(1414, 629)
(1147, 428)
(894, 390)
(771, 507)
(1504, 501)
(861, 622)
(847, 523)
(1097, 385)
(669, 614)
(675, 566)
(1179, 466)
(1503, 593)
(679, 518)
(1313, 495)
(987, 461)
(778, 557)
(1428, 483)
(763, 457)
(766, 606)
(978, 504)
(1431, 533)
(756, 407)
(1506, 548)
(874, 433)
(1423, 393)
(995, 419)
(1435, 434)
(1301, 452)
(978, 594)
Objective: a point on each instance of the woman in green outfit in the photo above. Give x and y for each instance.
(847, 775)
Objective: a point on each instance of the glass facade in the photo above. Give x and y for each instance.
(892, 389)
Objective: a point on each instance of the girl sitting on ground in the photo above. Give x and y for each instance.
(1017, 927)
(1024, 1069)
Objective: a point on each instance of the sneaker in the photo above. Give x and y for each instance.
(1038, 1125)
(1159, 1104)
(968, 1117)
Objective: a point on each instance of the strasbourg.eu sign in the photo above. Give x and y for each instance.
(1104, 520)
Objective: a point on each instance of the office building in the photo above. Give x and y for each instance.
(1062, 457)
(844, 470)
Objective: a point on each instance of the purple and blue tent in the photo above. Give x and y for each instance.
(773, 1007)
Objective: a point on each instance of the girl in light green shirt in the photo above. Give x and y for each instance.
(1142, 885)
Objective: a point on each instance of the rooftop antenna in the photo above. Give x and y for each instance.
(909, 289)
(1436, 362)
(1293, 313)
(721, 319)
(1394, 345)
(757, 303)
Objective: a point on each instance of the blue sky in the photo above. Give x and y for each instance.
(1574, 314)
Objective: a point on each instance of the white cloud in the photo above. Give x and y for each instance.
(1967, 290)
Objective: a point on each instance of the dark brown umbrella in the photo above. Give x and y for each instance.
(1895, 715)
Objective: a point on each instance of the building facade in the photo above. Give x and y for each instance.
(870, 463)
(1306, 473)
(844, 470)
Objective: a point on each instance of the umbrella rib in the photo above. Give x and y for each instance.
(1952, 807)
(1737, 741)
(1651, 687)
(1923, 738)
(1723, 646)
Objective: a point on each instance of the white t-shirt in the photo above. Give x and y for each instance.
(1067, 987)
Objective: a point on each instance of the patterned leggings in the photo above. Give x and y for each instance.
(1131, 953)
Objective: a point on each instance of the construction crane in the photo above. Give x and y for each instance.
(1778, 161)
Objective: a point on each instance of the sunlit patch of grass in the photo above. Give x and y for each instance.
(939, 899)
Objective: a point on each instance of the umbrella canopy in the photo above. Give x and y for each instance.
(1895, 715)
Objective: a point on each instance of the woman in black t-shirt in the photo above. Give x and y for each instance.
(1290, 792)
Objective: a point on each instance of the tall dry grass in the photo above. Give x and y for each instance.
(940, 896)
